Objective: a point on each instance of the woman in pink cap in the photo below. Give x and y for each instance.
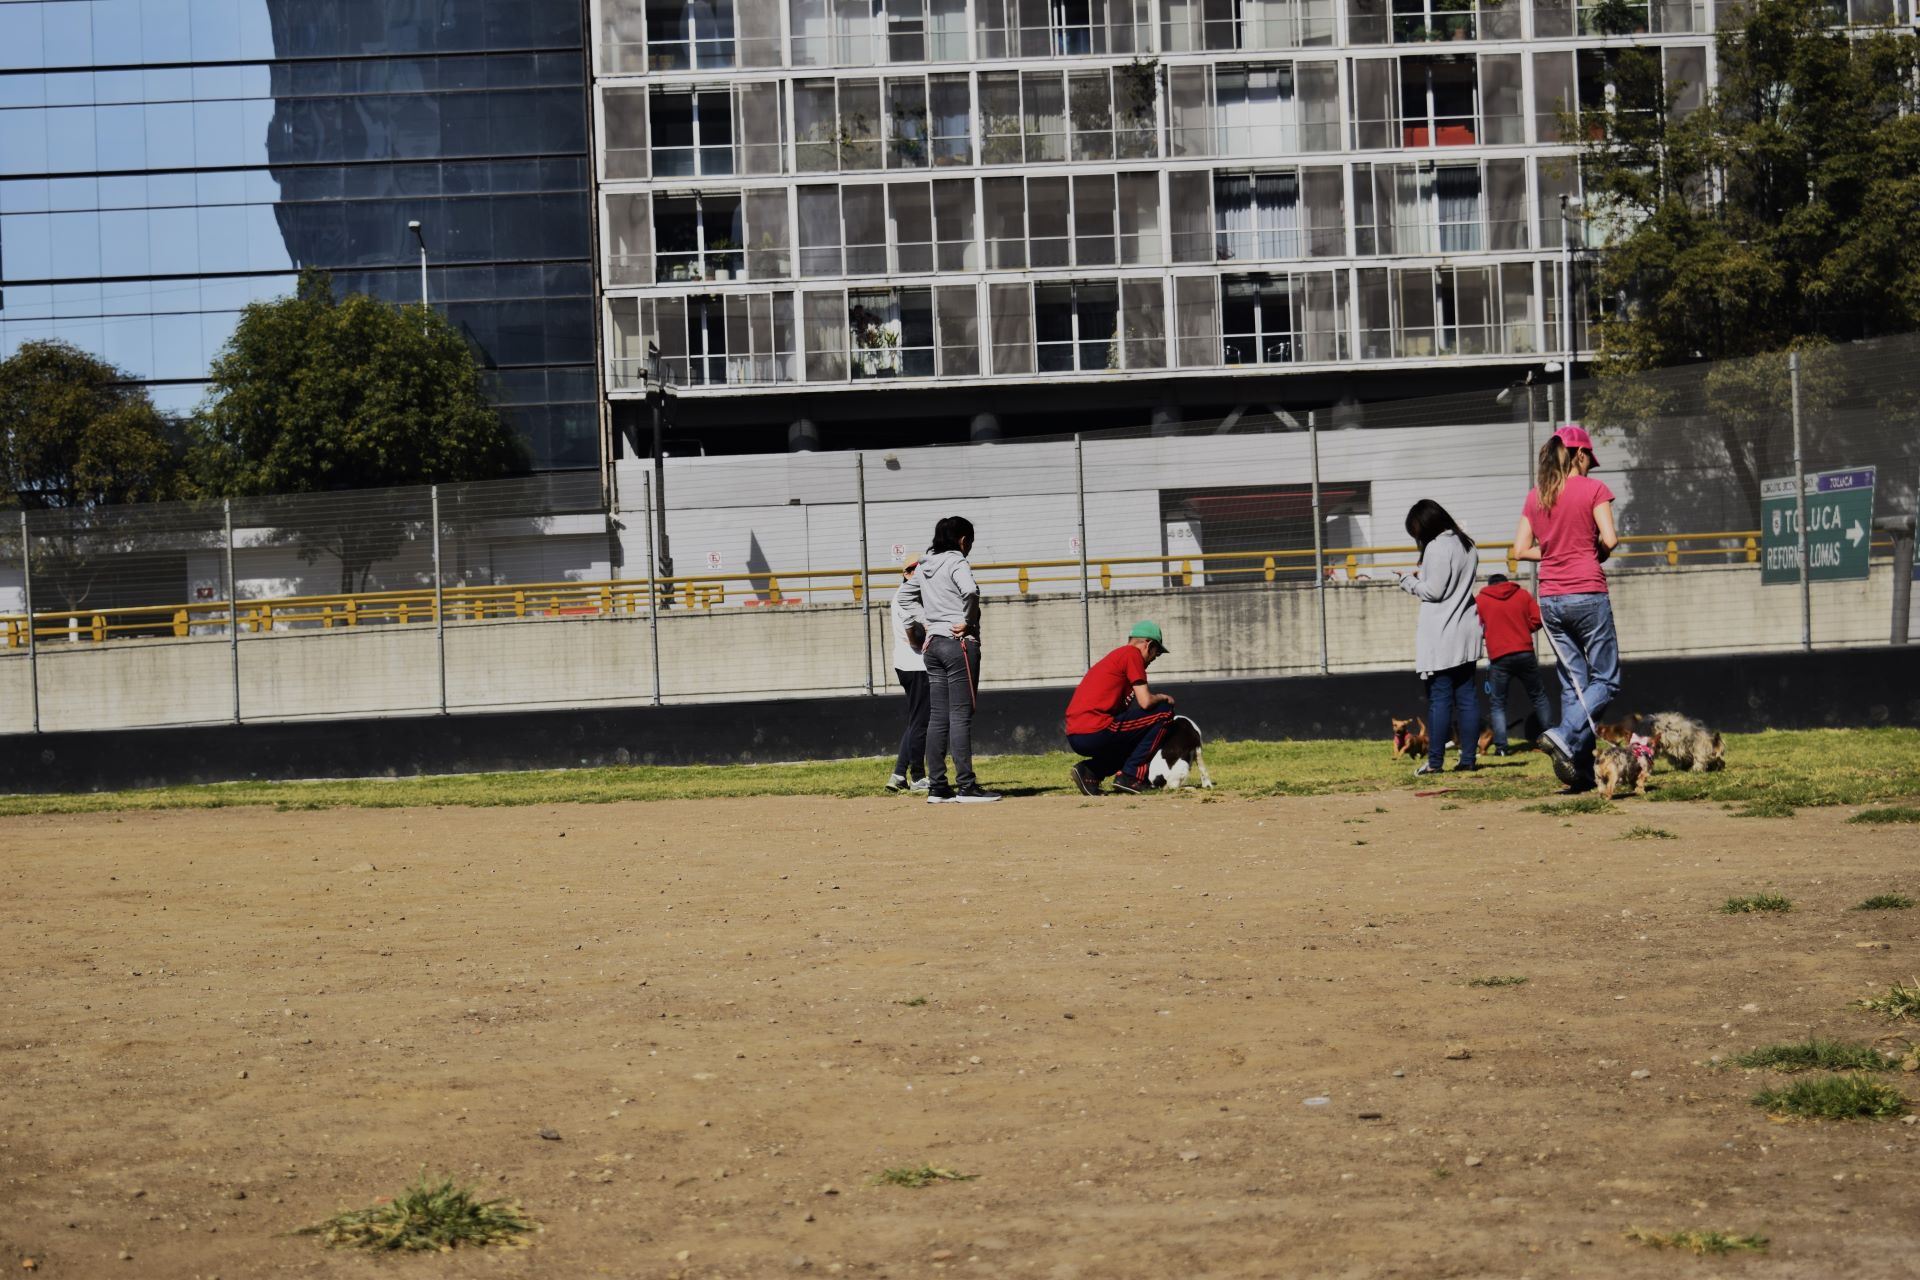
(1567, 525)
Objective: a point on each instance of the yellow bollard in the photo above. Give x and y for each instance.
(403, 612)
(1753, 551)
(1513, 564)
(1186, 573)
(1026, 583)
(1673, 552)
(1353, 566)
(326, 617)
(179, 623)
(857, 593)
(1269, 568)
(1106, 577)
(606, 599)
(773, 589)
(352, 611)
(99, 628)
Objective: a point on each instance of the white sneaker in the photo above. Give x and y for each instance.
(921, 786)
(898, 784)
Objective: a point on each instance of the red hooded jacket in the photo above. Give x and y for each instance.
(1509, 616)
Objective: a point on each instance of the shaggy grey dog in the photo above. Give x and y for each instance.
(1685, 743)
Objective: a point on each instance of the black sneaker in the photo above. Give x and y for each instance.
(1500, 749)
(1466, 768)
(1127, 783)
(1084, 779)
(974, 793)
(1561, 757)
(940, 793)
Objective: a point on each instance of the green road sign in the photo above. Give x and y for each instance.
(1839, 527)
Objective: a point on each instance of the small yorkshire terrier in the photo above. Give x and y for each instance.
(1409, 737)
(1617, 731)
(1687, 744)
(1615, 766)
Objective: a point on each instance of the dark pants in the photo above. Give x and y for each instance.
(912, 760)
(953, 683)
(1453, 709)
(1523, 666)
(1125, 748)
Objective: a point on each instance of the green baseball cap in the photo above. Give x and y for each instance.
(1149, 631)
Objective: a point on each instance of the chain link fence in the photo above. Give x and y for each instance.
(1263, 540)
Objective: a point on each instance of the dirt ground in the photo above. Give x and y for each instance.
(220, 1026)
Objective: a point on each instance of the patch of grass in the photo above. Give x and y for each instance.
(1766, 807)
(1800, 769)
(1448, 805)
(1757, 902)
(1902, 1002)
(1511, 980)
(1698, 1242)
(924, 1175)
(1892, 813)
(427, 1215)
(914, 1003)
(1593, 802)
(1850, 1097)
(1644, 832)
(1885, 902)
(1441, 1173)
(1810, 1055)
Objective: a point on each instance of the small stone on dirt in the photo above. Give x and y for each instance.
(1369, 1115)
(237, 1193)
(364, 867)
(1473, 1162)
(1457, 1052)
(1641, 1074)
(551, 1135)
(1189, 1156)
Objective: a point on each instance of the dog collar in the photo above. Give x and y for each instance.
(1643, 748)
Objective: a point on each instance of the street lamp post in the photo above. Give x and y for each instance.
(657, 400)
(1566, 300)
(422, 240)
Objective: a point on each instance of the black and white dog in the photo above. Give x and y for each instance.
(1179, 754)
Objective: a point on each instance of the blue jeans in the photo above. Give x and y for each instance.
(1450, 693)
(1523, 666)
(1581, 631)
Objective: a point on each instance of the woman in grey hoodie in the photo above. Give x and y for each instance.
(940, 605)
(1447, 644)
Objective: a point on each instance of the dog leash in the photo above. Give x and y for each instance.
(1578, 692)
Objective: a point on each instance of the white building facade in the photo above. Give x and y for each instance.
(838, 197)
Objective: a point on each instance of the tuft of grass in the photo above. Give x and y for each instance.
(1697, 1242)
(1885, 902)
(1901, 1002)
(1757, 902)
(1816, 1054)
(1892, 813)
(1766, 807)
(914, 1003)
(1644, 832)
(1849, 1097)
(924, 1175)
(1591, 803)
(427, 1215)
(1512, 980)
(1441, 1173)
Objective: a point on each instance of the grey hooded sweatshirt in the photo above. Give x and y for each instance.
(940, 593)
(1449, 633)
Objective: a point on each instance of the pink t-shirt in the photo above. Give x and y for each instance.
(1569, 538)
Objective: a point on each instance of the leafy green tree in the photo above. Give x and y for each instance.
(77, 438)
(76, 433)
(1777, 216)
(315, 393)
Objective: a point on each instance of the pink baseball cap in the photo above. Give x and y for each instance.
(1574, 436)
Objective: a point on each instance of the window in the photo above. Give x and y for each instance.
(836, 125)
(629, 239)
(697, 236)
(1143, 324)
(953, 226)
(819, 223)
(1060, 28)
(950, 127)
(1612, 17)
(1502, 110)
(824, 319)
(768, 254)
(1196, 322)
(907, 118)
(1437, 102)
(692, 133)
(1190, 205)
(1043, 116)
(1010, 307)
(688, 34)
(626, 146)
(910, 227)
(1253, 110)
(890, 333)
(956, 313)
(1000, 130)
(1075, 326)
(1423, 208)
(1256, 216)
(1257, 321)
(1138, 196)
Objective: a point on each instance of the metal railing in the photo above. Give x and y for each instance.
(627, 596)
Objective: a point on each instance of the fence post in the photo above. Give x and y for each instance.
(865, 579)
(1080, 496)
(26, 592)
(1902, 528)
(1319, 537)
(233, 608)
(653, 591)
(1800, 507)
(439, 603)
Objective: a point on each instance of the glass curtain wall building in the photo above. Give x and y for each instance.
(999, 196)
(165, 162)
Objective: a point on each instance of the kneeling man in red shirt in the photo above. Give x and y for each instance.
(1114, 719)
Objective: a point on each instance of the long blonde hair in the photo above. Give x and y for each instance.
(1557, 462)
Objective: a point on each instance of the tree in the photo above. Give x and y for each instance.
(1777, 216)
(315, 393)
(77, 438)
(77, 433)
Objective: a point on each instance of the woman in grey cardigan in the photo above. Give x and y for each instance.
(1447, 644)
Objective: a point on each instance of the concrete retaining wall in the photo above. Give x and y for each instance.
(770, 652)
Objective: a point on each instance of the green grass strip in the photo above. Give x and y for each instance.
(1816, 1054)
(1849, 1097)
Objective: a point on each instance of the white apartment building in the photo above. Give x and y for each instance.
(897, 208)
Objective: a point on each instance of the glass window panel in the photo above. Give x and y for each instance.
(1094, 221)
(950, 122)
(1318, 86)
(1413, 312)
(907, 118)
(1373, 313)
(860, 140)
(1552, 92)
(1000, 129)
(1376, 91)
(816, 127)
(863, 210)
(757, 137)
(1516, 308)
(629, 239)
(1196, 321)
(1503, 113)
(824, 319)
(1143, 308)
(910, 225)
(906, 30)
(1552, 19)
(768, 257)
(670, 116)
(1367, 21)
(1139, 219)
(858, 35)
(811, 32)
(1686, 78)
(953, 222)
(1507, 204)
(947, 31)
(1091, 112)
(1010, 308)
(1004, 221)
(1043, 116)
(1190, 200)
(957, 321)
(1554, 177)
(916, 333)
(1048, 237)
(1053, 328)
(759, 34)
(819, 218)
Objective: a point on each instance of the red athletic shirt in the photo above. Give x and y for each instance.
(1103, 690)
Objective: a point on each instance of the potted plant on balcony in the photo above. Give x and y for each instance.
(721, 259)
(876, 342)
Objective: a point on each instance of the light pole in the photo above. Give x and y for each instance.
(657, 399)
(414, 227)
(1566, 301)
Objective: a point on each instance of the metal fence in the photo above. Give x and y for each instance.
(1264, 539)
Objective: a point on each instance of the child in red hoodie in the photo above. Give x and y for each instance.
(1510, 616)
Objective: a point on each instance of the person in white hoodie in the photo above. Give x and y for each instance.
(910, 764)
(942, 602)
(1446, 645)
